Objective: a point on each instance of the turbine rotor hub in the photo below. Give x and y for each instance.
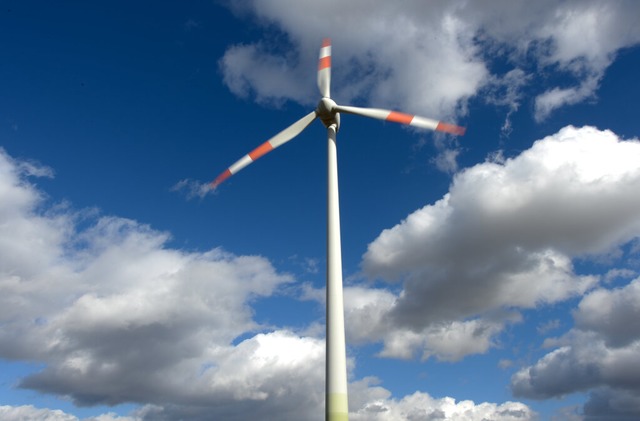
(327, 113)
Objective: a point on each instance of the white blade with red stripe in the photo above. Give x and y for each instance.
(402, 118)
(277, 140)
(324, 68)
(328, 111)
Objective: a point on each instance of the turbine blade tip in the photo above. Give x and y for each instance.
(219, 179)
(451, 128)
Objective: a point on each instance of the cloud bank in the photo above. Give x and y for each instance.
(112, 315)
(442, 56)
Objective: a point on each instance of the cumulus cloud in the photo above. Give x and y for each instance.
(600, 354)
(503, 238)
(380, 406)
(368, 401)
(607, 403)
(441, 58)
(116, 316)
(367, 54)
(584, 54)
(598, 344)
(251, 70)
(111, 314)
(367, 319)
(612, 314)
(29, 412)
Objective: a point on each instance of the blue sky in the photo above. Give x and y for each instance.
(490, 276)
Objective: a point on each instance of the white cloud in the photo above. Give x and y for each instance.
(367, 318)
(446, 160)
(503, 238)
(569, 195)
(251, 70)
(193, 188)
(437, 56)
(601, 354)
(585, 364)
(548, 326)
(555, 98)
(29, 412)
(365, 311)
(612, 314)
(367, 401)
(113, 315)
(447, 341)
(379, 406)
(445, 54)
(585, 55)
(619, 274)
(506, 91)
(441, 57)
(116, 316)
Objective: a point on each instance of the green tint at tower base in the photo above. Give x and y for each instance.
(337, 407)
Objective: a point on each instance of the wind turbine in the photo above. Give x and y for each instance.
(328, 112)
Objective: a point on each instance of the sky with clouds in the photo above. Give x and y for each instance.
(490, 276)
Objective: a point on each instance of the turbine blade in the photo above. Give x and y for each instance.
(277, 140)
(402, 118)
(324, 68)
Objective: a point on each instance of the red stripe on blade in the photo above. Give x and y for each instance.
(260, 150)
(451, 128)
(324, 62)
(401, 118)
(221, 178)
(326, 42)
